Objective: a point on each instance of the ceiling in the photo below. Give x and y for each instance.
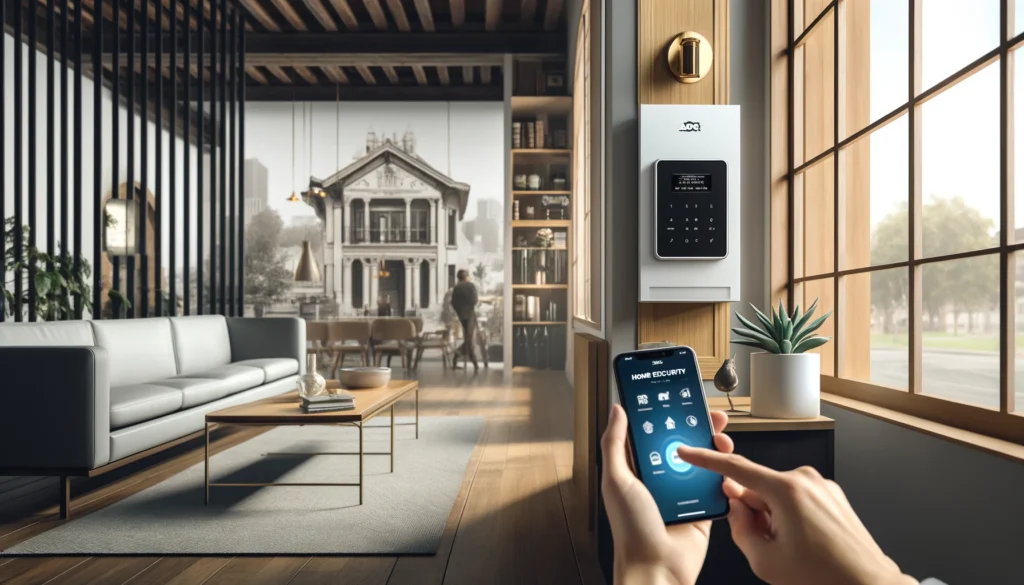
(393, 49)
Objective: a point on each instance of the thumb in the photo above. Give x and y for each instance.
(613, 445)
(745, 532)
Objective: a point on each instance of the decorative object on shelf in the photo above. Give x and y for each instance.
(558, 181)
(521, 241)
(726, 381)
(547, 214)
(519, 307)
(540, 276)
(356, 378)
(561, 240)
(545, 237)
(785, 381)
(311, 383)
(560, 200)
(689, 57)
(520, 182)
(534, 182)
(515, 211)
(554, 83)
(529, 212)
(517, 135)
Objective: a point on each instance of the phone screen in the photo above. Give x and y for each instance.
(662, 394)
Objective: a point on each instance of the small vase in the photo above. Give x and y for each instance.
(312, 383)
(785, 385)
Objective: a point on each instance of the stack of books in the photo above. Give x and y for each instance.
(328, 402)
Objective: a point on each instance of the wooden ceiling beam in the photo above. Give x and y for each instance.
(458, 11)
(366, 74)
(391, 74)
(254, 73)
(420, 73)
(467, 75)
(306, 74)
(376, 14)
(411, 43)
(553, 14)
(426, 15)
(321, 14)
(372, 59)
(261, 15)
(330, 93)
(345, 12)
(398, 14)
(492, 15)
(279, 73)
(335, 74)
(442, 74)
(293, 18)
(527, 11)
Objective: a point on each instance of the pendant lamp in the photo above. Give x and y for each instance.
(307, 270)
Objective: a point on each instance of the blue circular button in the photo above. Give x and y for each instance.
(673, 460)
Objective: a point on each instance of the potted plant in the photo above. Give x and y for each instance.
(785, 381)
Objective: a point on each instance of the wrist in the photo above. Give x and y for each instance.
(645, 573)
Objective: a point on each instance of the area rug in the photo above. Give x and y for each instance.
(403, 513)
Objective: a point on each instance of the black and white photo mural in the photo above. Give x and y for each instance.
(394, 199)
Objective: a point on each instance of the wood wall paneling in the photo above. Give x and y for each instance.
(590, 408)
(779, 156)
(702, 326)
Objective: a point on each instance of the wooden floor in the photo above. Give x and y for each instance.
(514, 521)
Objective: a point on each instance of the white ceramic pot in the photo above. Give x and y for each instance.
(785, 385)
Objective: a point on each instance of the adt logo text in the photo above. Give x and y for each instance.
(690, 127)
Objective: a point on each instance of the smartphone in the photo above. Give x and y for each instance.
(663, 396)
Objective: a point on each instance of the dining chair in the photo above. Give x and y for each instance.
(345, 337)
(393, 336)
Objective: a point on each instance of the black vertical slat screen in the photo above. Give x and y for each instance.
(130, 151)
(158, 188)
(115, 156)
(200, 139)
(19, 158)
(142, 304)
(214, 139)
(233, 166)
(3, 162)
(33, 171)
(97, 153)
(78, 201)
(222, 261)
(241, 164)
(187, 183)
(51, 132)
(172, 222)
(65, 139)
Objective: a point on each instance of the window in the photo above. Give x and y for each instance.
(902, 202)
(586, 250)
(453, 222)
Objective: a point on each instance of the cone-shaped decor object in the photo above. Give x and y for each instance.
(307, 270)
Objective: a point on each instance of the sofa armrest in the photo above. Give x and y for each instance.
(54, 407)
(268, 337)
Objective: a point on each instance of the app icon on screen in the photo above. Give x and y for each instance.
(655, 458)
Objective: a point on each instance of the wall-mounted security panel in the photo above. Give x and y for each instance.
(689, 203)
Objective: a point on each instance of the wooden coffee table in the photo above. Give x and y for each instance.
(285, 410)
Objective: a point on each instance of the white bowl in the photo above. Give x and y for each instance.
(364, 377)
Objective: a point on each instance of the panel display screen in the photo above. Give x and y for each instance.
(691, 182)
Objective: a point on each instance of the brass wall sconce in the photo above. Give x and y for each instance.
(690, 57)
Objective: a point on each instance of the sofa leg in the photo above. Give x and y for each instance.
(65, 497)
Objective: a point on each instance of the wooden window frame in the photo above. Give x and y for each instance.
(587, 259)
(787, 35)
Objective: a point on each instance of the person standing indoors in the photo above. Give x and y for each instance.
(464, 301)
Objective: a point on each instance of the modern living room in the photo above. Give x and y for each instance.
(364, 291)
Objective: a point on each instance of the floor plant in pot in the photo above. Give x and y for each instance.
(785, 380)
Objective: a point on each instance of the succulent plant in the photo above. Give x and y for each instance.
(782, 333)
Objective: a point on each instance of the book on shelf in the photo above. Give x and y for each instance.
(517, 134)
(539, 128)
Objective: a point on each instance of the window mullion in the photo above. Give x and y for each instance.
(1007, 268)
(914, 300)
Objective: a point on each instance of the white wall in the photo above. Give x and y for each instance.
(85, 219)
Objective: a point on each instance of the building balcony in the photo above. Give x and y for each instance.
(359, 235)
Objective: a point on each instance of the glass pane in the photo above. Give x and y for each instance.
(875, 321)
(1018, 360)
(815, 95)
(815, 207)
(875, 181)
(824, 292)
(1017, 182)
(954, 33)
(811, 10)
(1018, 17)
(960, 166)
(960, 330)
(876, 61)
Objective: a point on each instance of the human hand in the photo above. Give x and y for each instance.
(646, 550)
(795, 527)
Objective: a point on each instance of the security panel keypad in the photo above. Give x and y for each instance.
(690, 209)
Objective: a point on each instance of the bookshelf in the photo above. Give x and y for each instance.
(540, 161)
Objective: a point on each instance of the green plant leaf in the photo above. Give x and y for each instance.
(798, 326)
(814, 326)
(749, 325)
(766, 342)
(783, 316)
(810, 343)
(747, 342)
(787, 346)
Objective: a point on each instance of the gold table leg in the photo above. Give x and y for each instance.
(360, 465)
(206, 459)
(417, 412)
(392, 438)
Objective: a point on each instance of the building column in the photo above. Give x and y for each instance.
(336, 254)
(433, 283)
(346, 221)
(408, 285)
(416, 282)
(368, 287)
(408, 219)
(346, 285)
(366, 219)
(433, 221)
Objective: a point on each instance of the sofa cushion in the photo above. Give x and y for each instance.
(139, 350)
(197, 391)
(135, 403)
(236, 378)
(66, 333)
(274, 368)
(200, 342)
